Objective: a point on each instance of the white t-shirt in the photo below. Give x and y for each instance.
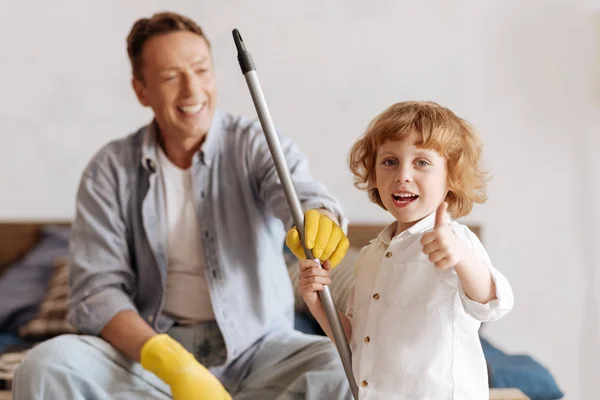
(188, 296)
(414, 331)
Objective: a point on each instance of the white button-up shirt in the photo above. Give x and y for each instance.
(414, 330)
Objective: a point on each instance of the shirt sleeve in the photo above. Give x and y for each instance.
(311, 193)
(504, 301)
(101, 277)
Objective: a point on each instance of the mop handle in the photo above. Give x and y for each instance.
(249, 72)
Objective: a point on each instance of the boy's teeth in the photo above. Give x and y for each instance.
(191, 109)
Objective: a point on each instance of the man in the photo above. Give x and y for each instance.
(177, 275)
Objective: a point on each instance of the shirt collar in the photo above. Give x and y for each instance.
(207, 150)
(213, 137)
(149, 147)
(426, 224)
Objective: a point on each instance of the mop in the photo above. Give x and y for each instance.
(249, 71)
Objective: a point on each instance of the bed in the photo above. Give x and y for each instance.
(19, 242)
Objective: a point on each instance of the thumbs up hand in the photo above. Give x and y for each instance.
(443, 247)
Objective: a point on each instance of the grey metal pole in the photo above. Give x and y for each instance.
(249, 71)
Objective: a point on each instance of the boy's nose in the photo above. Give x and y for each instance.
(403, 175)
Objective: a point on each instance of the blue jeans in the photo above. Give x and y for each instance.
(282, 365)
(9, 339)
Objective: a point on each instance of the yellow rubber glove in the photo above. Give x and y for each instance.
(321, 235)
(178, 368)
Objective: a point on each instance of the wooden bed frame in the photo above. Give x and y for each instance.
(16, 238)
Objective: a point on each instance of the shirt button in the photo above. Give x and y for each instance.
(150, 318)
(376, 296)
(364, 384)
(388, 254)
(151, 165)
(367, 339)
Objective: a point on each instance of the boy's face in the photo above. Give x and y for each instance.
(412, 181)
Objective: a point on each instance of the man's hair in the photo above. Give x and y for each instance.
(158, 24)
(436, 128)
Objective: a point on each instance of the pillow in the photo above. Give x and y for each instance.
(23, 285)
(307, 324)
(342, 280)
(520, 371)
(7, 340)
(51, 318)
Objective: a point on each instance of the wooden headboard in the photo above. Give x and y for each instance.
(16, 238)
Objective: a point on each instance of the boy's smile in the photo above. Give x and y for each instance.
(403, 198)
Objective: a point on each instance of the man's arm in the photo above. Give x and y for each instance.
(128, 332)
(324, 236)
(311, 193)
(101, 278)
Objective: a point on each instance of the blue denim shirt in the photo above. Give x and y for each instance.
(118, 243)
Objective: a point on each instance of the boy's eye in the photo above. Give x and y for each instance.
(389, 162)
(422, 163)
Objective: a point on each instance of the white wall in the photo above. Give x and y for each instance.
(522, 71)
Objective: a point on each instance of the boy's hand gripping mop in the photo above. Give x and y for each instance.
(249, 71)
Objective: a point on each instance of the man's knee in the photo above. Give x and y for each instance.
(327, 378)
(60, 353)
(327, 356)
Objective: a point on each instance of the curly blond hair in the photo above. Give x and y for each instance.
(436, 128)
